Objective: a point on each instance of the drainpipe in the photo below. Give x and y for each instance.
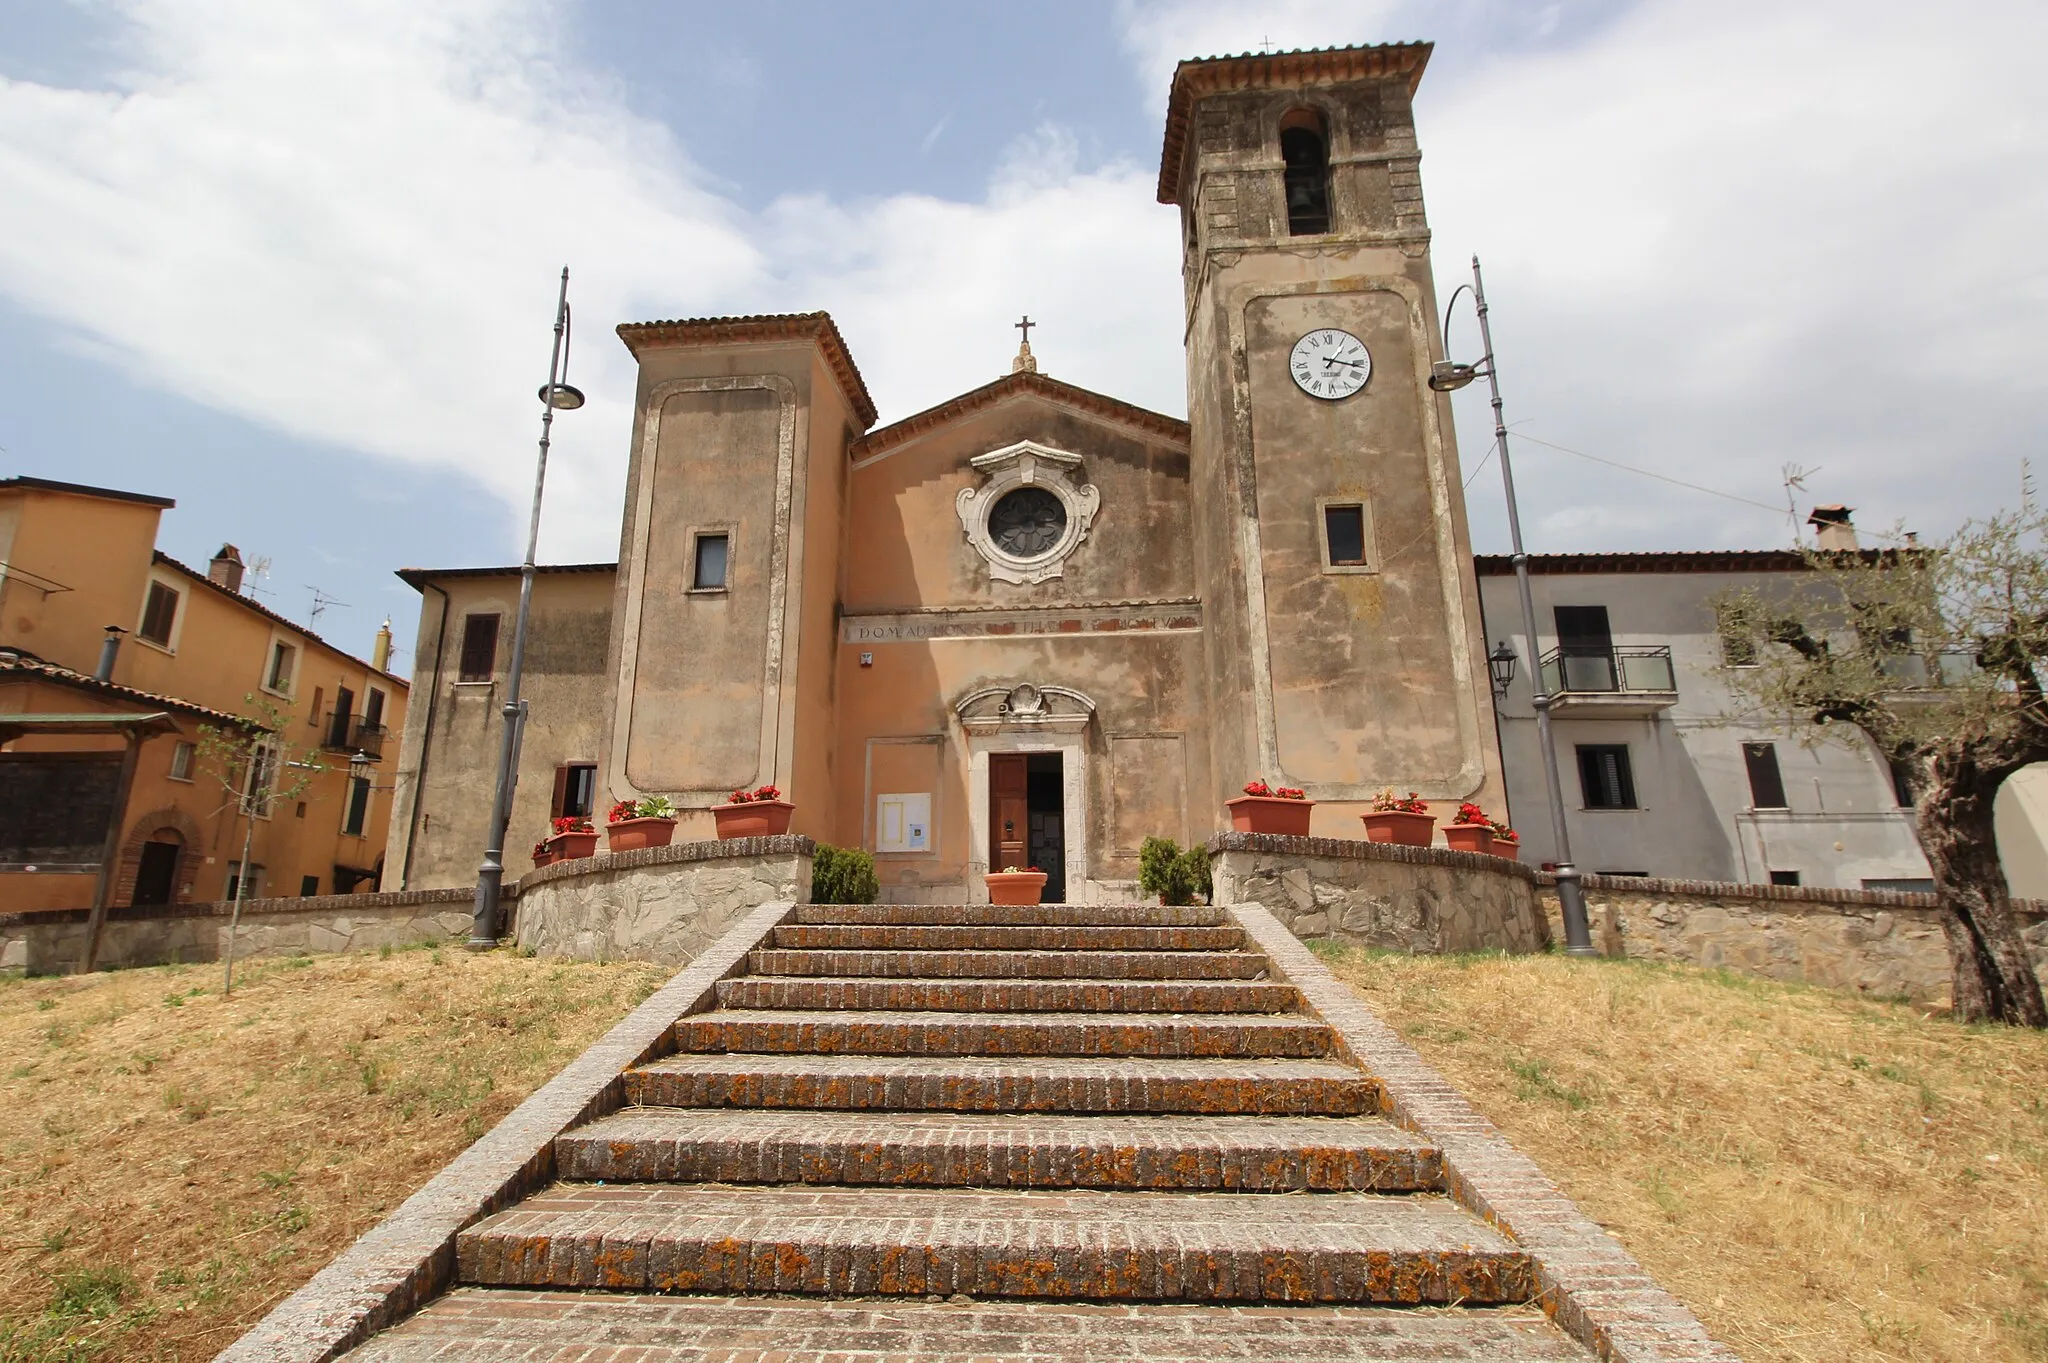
(110, 649)
(419, 776)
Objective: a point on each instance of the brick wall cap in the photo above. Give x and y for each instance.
(675, 854)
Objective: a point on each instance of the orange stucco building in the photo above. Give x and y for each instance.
(96, 621)
(1034, 624)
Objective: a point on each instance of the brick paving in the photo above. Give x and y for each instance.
(890, 1133)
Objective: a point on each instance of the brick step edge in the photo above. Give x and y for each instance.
(1024, 1034)
(1042, 965)
(1023, 915)
(571, 1253)
(671, 1084)
(826, 993)
(631, 1148)
(1000, 937)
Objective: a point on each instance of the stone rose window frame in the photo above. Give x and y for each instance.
(1027, 464)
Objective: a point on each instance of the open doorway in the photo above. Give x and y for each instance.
(1027, 825)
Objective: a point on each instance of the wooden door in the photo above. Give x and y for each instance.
(1009, 811)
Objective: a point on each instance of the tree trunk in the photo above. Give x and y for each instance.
(1994, 977)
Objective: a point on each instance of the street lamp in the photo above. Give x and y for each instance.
(1448, 377)
(1501, 663)
(555, 396)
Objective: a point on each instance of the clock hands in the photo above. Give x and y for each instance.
(1329, 360)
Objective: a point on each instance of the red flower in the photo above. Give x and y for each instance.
(1256, 787)
(1290, 793)
(739, 797)
(768, 793)
(621, 811)
(1471, 813)
(573, 825)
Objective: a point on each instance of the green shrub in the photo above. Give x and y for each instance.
(1175, 876)
(843, 875)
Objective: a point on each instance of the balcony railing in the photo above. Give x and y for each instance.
(1621, 680)
(346, 733)
(1918, 672)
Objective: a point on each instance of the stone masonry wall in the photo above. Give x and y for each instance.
(1417, 899)
(1878, 942)
(662, 904)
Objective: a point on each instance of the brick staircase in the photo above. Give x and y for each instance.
(978, 1133)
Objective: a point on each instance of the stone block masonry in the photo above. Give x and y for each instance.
(1880, 942)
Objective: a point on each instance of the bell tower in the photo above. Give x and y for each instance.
(1344, 645)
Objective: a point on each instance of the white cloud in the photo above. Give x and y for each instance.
(1718, 239)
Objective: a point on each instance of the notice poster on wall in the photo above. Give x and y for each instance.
(903, 822)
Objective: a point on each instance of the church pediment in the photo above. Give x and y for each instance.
(1056, 709)
(1020, 387)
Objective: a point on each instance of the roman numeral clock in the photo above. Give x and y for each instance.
(1329, 364)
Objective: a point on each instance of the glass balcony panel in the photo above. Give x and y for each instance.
(1647, 672)
(1590, 672)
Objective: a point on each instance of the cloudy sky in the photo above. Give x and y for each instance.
(294, 265)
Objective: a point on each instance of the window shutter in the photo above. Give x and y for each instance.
(479, 647)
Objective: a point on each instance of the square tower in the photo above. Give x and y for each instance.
(1345, 650)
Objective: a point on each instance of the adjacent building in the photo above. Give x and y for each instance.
(113, 658)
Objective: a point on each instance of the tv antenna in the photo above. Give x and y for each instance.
(259, 569)
(1795, 482)
(321, 601)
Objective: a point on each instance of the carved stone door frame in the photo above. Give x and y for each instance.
(1028, 719)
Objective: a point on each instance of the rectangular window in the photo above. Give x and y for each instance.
(308, 886)
(1784, 877)
(337, 724)
(159, 614)
(575, 790)
(1738, 645)
(358, 807)
(283, 660)
(479, 647)
(1902, 782)
(1344, 534)
(373, 709)
(259, 772)
(181, 761)
(313, 710)
(1766, 783)
(1604, 776)
(1903, 885)
(711, 560)
(234, 886)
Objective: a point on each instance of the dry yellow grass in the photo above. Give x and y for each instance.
(172, 1163)
(1820, 1177)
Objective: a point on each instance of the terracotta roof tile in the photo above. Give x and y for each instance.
(1010, 385)
(14, 663)
(781, 326)
(416, 577)
(160, 556)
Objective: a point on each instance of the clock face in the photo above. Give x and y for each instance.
(1329, 364)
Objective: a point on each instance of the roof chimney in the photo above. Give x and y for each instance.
(380, 652)
(1831, 527)
(226, 568)
(110, 649)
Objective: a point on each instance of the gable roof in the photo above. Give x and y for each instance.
(16, 664)
(84, 490)
(765, 327)
(1273, 70)
(417, 578)
(1021, 383)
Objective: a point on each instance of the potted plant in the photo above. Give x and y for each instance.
(1403, 819)
(1473, 832)
(542, 854)
(1013, 885)
(634, 824)
(1262, 809)
(572, 838)
(1506, 842)
(761, 813)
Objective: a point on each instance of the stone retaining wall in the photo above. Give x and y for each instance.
(1419, 899)
(662, 904)
(1879, 942)
(50, 941)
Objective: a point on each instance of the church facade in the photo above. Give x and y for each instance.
(1034, 624)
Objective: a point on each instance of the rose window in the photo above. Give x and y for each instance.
(1027, 522)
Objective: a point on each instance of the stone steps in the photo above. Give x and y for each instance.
(1100, 1246)
(1067, 965)
(1008, 996)
(1002, 937)
(880, 1032)
(499, 1325)
(966, 1150)
(1023, 915)
(984, 1084)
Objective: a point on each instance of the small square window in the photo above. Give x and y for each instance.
(308, 886)
(575, 790)
(711, 562)
(1604, 776)
(1344, 534)
(159, 614)
(1784, 877)
(181, 761)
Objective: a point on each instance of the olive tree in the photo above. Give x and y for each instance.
(1935, 653)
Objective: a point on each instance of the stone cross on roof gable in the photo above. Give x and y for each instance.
(1025, 363)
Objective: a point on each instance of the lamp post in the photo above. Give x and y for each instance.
(555, 395)
(1448, 377)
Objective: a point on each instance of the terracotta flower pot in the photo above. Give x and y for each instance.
(630, 835)
(1015, 887)
(754, 819)
(1511, 850)
(1269, 814)
(543, 857)
(1468, 837)
(1409, 830)
(571, 846)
